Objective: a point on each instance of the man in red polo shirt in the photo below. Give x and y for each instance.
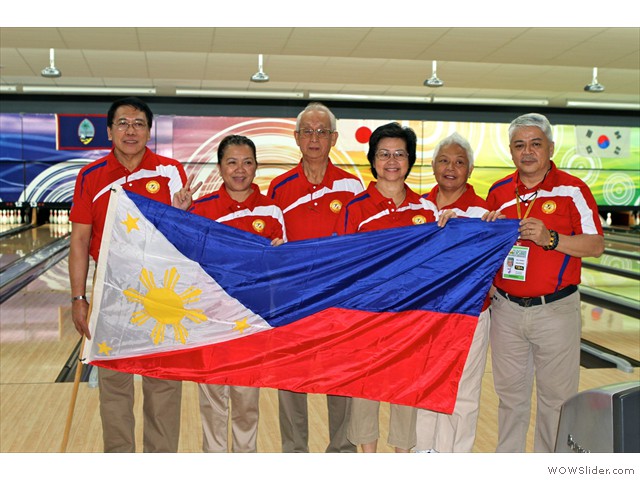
(132, 165)
(311, 196)
(535, 317)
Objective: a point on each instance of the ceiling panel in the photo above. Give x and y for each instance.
(547, 63)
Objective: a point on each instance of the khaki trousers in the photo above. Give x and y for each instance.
(541, 341)
(364, 425)
(214, 412)
(161, 413)
(294, 423)
(457, 432)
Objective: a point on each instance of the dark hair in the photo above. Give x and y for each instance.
(392, 130)
(130, 102)
(235, 140)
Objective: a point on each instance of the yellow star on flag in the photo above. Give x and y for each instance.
(104, 348)
(131, 223)
(241, 325)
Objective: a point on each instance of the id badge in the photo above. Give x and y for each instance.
(515, 265)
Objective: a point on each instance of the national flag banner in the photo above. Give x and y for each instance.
(387, 315)
(603, 142)
(82, 132)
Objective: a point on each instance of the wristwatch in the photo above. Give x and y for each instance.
(79, 297)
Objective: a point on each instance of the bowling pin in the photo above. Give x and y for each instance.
(3, 220)
(609, 219)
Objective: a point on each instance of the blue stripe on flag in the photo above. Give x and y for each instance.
(422, 267)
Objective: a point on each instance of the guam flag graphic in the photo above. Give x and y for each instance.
(604, 142)
(82, 132)
(386, 315)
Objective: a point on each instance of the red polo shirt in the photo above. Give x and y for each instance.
(157, 178)
(565, 204)
(371, 211)
(312, 211)
(469, 205)
(257, 214)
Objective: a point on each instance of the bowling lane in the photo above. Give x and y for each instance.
(614, 331)
(26, 242)
(36, 332)
(616, 285)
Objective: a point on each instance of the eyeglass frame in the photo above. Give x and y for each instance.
(404, 155)
(122, 125)
(310, 132)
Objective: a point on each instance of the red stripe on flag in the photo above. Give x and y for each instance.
(410, 358)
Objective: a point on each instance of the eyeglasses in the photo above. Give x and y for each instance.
(320, 132)
(123, 125)
(386, 155)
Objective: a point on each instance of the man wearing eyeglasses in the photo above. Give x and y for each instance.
(132, 165)
(311, 196)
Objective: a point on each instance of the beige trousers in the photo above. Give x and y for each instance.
(364, 425)
(457, 432)
(161, 413)
(294, 423)
(526, 342)
(214, 412)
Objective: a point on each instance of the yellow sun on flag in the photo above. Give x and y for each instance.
(165, 305)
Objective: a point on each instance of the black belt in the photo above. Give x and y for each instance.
(533, 301)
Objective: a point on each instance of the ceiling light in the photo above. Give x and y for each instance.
(260, 76)
(51, 71)
(609, 105)
(90, 90)
(8, 89)
(530, 102)
(368, 98)
(237, 93)
(433, 81)
(594, 86)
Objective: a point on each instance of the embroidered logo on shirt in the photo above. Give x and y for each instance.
(153, 186)
(258, 225)
(549, 207)
(418, 220)
(335, 206)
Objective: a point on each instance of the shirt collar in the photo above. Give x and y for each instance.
(114, 164)
(249, 202)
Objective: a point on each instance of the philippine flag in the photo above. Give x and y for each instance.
(387, 315)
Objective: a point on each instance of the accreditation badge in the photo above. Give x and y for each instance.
(515, 265)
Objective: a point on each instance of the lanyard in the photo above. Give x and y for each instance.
(526, 214)
(535, 196)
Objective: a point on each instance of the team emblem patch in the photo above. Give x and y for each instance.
(258, 225)
(153, 186)
(549, 207)
(335, 206)
(418, 220)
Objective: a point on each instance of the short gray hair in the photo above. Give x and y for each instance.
(455, 139)
(317, 107)
(532, 120)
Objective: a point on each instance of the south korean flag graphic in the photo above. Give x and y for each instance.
(603, 142)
